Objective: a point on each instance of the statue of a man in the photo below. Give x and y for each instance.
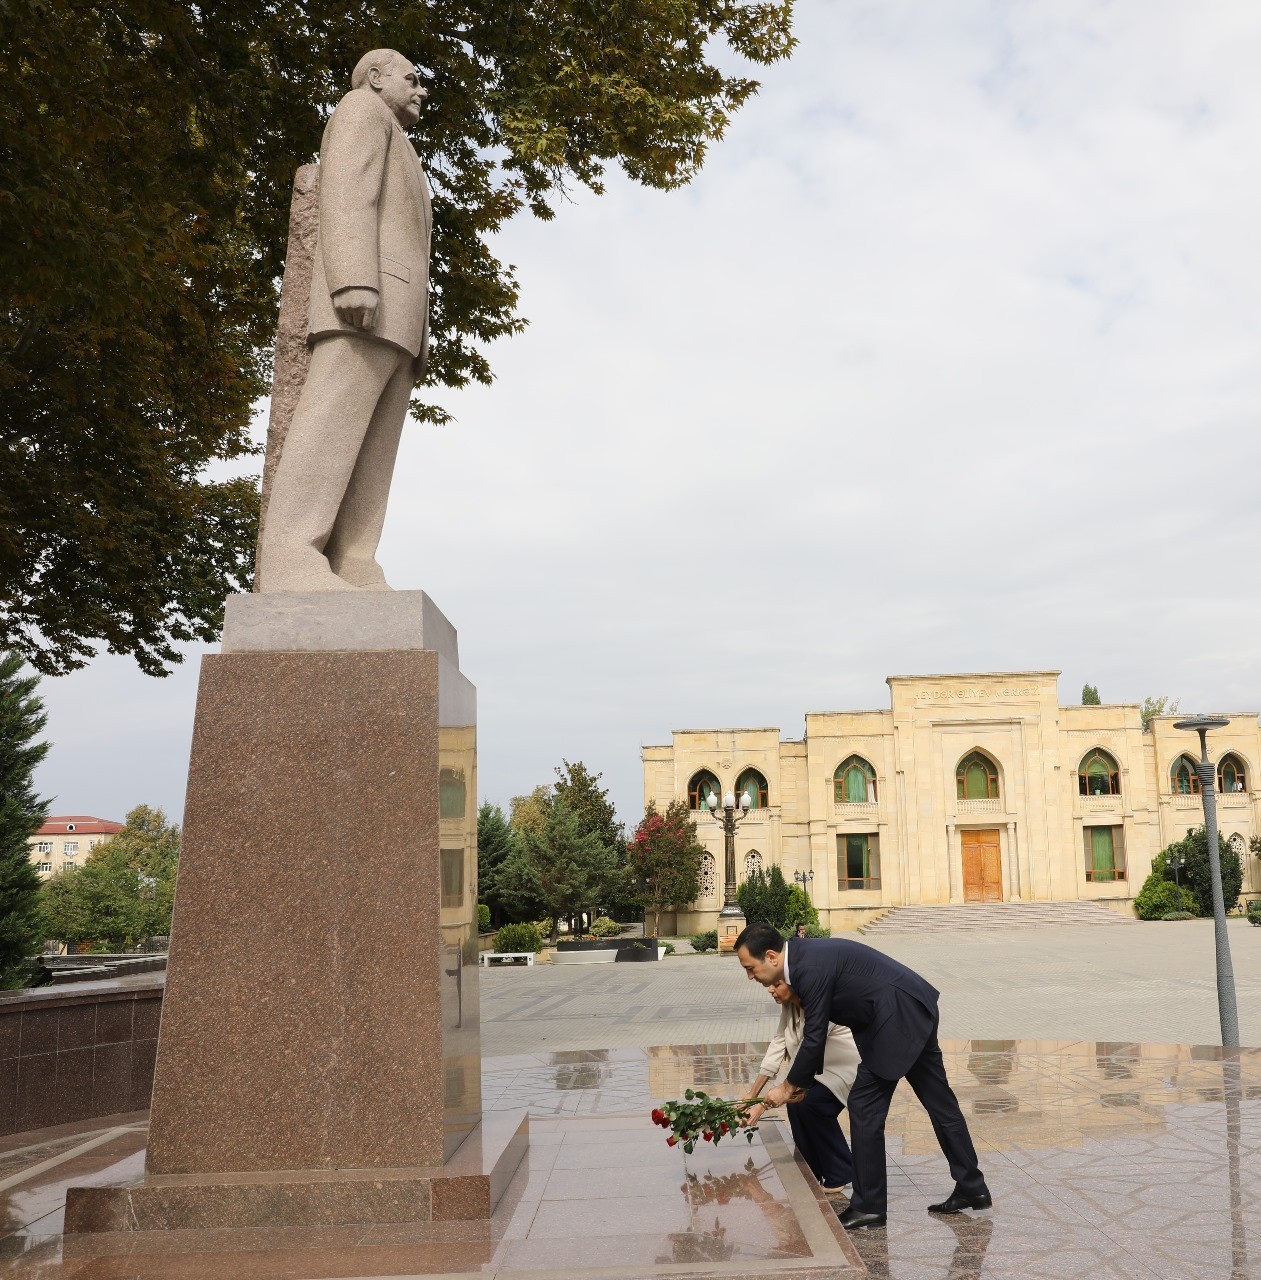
(369, 330)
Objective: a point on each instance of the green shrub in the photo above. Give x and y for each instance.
(519, 937)
(1195, 872)
(1179, 915)
(669, 946)
(707, 941)
(483, 918)
(817, 930)
(1159, 897)
(766, 897)
(603, 927)
(545, 927)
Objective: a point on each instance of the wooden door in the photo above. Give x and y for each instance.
(982, 867)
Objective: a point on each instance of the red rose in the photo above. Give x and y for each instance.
(709, 1137)
(658, 1116)
(671, 1141)
(725, 1127)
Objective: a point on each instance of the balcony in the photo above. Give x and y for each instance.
(866, 811)
(1232, 800)
(1095, 804)
(761, 815)
(972, 808)
(1186, 802)
(770, 814)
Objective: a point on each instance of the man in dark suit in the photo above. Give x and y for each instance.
(893, 1014)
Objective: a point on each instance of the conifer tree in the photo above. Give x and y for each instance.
(22, 813)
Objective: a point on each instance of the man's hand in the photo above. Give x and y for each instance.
(784, 1093)
(755, 1114)
(356, 306)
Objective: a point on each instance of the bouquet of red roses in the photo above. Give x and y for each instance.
(700, 1117)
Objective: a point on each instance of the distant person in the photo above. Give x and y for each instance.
(893, 1014)
(800, 931)
(815, 1120)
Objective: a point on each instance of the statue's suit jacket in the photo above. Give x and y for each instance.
(375, 224)
(890, 1009)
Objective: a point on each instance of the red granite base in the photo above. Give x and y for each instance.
(466, 1188)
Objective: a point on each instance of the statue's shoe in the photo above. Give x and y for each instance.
(363, 575)
(302, 575)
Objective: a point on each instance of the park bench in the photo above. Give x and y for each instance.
(488, 956)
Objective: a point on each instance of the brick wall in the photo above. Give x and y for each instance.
(75, 1053)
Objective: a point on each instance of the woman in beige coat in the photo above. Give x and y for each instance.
(814, 1120)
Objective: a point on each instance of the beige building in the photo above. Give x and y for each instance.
(969, 788)
(62, 844)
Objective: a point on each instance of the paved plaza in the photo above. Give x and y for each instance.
(1107, 1162)
(1118, 1142)
(1150, 983)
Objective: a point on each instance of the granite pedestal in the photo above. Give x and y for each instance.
(319, 1054)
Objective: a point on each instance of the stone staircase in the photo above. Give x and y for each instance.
(994, 915)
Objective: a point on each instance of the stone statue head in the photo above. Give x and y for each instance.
(394, 78)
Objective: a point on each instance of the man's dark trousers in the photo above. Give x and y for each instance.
(818, 1136)
(869, 1101)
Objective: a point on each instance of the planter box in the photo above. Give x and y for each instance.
(602, 944)
(583, 957)
(626, 955)
(599, 950)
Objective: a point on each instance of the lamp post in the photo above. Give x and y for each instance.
(803, 878)
(730, 918)
(1227, 1007)
(1177, 862)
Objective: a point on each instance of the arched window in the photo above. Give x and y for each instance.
(709, 878)
(977, 777)
(702, 786)
(1231, 774)
(752, 863)
(1239, 845)
(1183, 779)
(1098, 775)
(854, 782)
(751, 783)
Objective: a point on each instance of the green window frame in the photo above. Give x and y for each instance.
(854, 782)
(1098, 774)
(451, 866)
(858, 860)
(702, 786)
(452, 793)
(752, 784)
(1183, 779)
(1104, 849)
(976, 777)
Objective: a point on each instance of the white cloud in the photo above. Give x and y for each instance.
(948, 360)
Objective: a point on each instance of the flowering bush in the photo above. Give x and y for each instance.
(702, 1118)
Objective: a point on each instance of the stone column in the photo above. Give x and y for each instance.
(1011, 864)
(954, 862)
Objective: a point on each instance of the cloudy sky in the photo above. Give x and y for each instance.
(947, 362)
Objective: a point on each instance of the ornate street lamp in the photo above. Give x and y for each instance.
(1177, 862)
(803, 878)
(730, 818)
(1227, 1006)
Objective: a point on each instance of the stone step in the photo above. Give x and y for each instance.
(966, 917)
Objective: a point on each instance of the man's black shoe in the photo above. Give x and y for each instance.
(958, 1200)
(853, 1219)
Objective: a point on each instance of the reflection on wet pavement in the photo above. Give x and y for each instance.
(1106, 1160)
